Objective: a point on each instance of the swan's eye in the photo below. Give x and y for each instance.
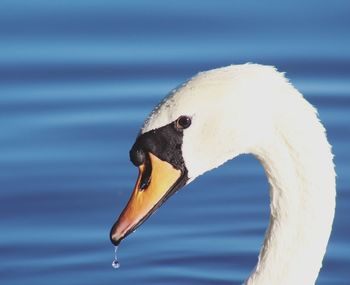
(183, 122)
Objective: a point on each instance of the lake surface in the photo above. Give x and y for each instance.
(77, 79)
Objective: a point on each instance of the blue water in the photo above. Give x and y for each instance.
(77, 79)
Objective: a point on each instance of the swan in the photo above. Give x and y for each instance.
(239, 109)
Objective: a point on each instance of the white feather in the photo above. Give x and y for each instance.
(252, 108)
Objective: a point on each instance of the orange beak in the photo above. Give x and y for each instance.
(163, 181)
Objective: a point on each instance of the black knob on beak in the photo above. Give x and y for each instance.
(137, 156)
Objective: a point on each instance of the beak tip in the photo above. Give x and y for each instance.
(115, 239)
(114, 236)
(115, 242)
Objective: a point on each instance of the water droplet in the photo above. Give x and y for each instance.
(115, 263)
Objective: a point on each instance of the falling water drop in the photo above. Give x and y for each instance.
(115, 263)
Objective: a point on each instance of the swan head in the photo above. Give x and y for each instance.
(211, 118)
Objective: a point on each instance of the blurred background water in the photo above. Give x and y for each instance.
(77, 79)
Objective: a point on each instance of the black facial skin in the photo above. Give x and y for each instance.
(165, 143)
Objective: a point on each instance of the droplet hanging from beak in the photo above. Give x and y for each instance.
(115, 262)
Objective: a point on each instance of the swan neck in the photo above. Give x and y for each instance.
(301, 176)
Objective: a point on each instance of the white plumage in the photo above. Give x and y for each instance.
(252, 108)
